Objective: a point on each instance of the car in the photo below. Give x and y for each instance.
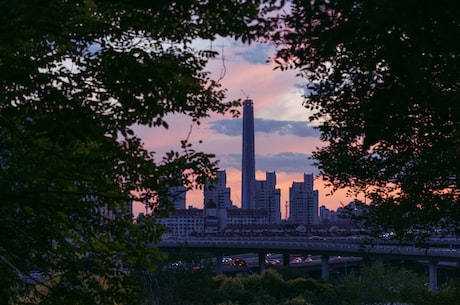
(296, 260)
(197, 267)
(272, 262)
(316, 238)
(177, 264)
(238, 263)
(227, 260)
(388, 235)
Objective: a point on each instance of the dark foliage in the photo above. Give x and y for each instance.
(76, 77)
(382, 83)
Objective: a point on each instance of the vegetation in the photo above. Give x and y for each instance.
(382, 81)
(76, 77)
(368, 285)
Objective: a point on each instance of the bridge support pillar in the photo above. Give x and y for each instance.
(379, 261)
(261, 262)
(219, 264)
(286, 259)
(325, 268)
(433, 272)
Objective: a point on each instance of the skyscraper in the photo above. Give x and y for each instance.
(177, 196)
(218, 192)
(303, 199)
(248, 171)
(267, 197)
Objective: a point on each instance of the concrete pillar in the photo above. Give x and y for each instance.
(261, 262)
(219, 264)
(379, 261)
(286, 259)
(325, 268)
(433, 271)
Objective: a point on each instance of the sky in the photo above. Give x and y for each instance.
(284, 138)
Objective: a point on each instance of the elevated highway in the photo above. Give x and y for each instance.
(435, 251)
(446, 251)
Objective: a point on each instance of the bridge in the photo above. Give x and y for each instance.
(435, 251)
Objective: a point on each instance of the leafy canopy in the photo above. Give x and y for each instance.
(383, 86)
(76, 77)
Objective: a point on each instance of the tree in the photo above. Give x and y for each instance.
(383, 87)
(383, 285)
(179, 285)
(76, 77)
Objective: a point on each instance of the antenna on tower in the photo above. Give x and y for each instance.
(247, 96)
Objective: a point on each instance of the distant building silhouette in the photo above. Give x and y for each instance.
(218, 192)
(211, 219)
(184, 222)
(267, 197)
(247, 217)
(326, 215)
(107, 213)
(177, 196)
(303, 199)
(176, 193)
(215, 217)
(248, 171)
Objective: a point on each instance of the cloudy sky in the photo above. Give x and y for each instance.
(284, 139)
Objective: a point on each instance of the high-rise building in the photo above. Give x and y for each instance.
(267, 197)
(248, 171)
(176, 193)
(326, 215)
(303, 202)
(218, 192)
(177, 196)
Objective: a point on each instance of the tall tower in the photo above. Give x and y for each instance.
(248, 170)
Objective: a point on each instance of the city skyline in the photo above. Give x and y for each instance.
(284, 139)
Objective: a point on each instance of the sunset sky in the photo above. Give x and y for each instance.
(284, 139)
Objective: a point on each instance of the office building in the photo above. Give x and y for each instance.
(303, 202)
(247, 217)
(177, 196)
(211, 219)
(267, 197)
(327, 216)
(218, 192)
(184, 222)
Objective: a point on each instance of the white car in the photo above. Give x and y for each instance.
(227, 260)
(272, 262)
